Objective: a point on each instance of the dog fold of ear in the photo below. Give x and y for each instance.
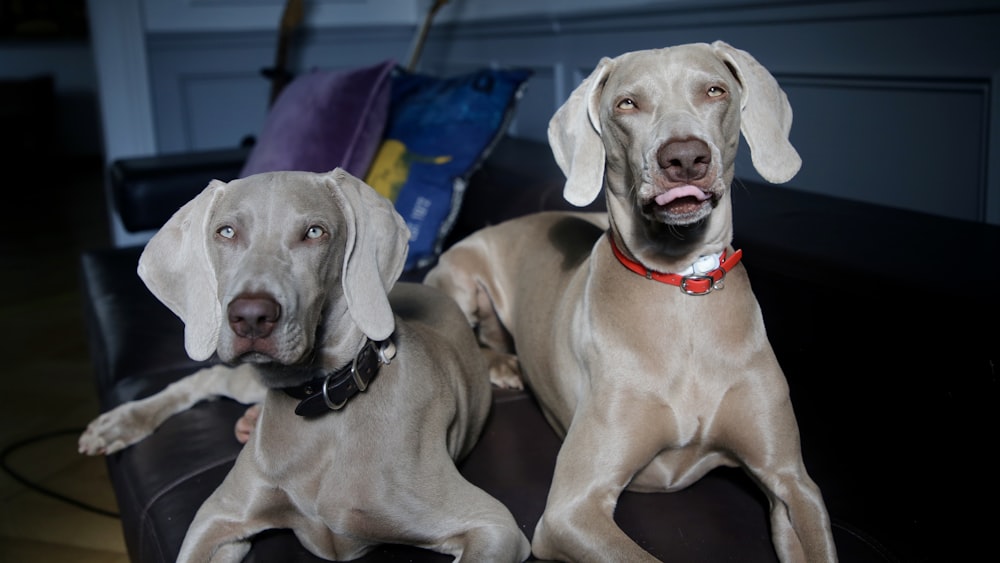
(766, 116)
(376, 248)
(176, 269)
(575, 137)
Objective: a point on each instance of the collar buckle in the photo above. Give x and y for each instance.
(359, 382)
(335, 389)
(703, 284)
(330, 404)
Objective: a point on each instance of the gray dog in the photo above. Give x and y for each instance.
(368, 398)
(637, 329)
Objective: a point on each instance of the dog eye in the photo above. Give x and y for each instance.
(226, 232)
(715, 92)
(315, 232)
(627, 104)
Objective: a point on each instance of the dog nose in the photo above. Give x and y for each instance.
(684, 161)
(253, 316)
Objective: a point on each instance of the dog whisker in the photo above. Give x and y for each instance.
(738, 183)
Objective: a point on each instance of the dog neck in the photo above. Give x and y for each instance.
(328, 391)
(669, 248)
(704, 275)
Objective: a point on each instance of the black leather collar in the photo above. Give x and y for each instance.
(330, 391)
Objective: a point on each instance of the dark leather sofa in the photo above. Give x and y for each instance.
(885, 322)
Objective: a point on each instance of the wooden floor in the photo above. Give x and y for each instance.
(46, 385)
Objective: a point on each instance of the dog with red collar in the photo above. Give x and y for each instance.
(637, 330)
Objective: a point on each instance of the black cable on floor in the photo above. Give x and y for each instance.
(39, 488)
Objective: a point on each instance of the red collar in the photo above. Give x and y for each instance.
(692, 284)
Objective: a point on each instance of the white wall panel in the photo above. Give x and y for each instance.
(895, 102)
(208, 88)
(915, 144)
(255, 15)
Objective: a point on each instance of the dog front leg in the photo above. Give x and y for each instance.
(217, 533)
(130, 422)
(594, 465)
(800, 524)
(225, 524)
(461, 519)
(770, 452)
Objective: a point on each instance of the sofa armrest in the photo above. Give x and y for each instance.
(147, 190)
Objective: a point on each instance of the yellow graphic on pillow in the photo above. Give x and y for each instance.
(391, 167)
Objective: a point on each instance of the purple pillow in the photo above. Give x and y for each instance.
(325, 119)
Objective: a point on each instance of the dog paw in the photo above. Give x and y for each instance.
(109, 433)
(247, 423)
(505, 371)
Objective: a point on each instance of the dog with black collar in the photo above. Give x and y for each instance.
(290, 278)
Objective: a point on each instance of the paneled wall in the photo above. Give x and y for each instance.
(896, 102)
(208, 88)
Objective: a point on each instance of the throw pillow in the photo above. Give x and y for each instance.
(439, 131)
(325, 119)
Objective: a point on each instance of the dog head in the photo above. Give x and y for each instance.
(660, 129)
(270, 267)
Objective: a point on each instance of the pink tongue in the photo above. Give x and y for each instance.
(683, 191)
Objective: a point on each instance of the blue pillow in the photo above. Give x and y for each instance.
(438, 133)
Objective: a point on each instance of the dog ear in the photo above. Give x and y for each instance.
(375, 252)
(766, 116)
(575, 138)
(176, 269)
